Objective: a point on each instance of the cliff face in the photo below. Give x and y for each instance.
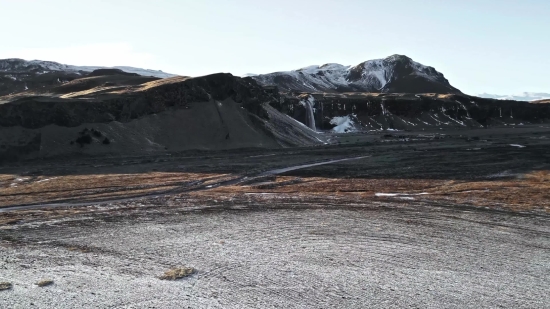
(367, 111)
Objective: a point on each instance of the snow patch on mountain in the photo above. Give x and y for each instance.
(374, 73)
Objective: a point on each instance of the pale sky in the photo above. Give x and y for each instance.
(494, 46)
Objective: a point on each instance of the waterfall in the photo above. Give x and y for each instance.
(310, 116)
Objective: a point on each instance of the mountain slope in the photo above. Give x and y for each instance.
(394, 74)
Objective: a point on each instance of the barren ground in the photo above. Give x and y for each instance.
(423, 220)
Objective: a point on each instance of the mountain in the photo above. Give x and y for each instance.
(394, 74)
(524, 96)
(17, 75)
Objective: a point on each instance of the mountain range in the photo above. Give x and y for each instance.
(393, 74)
(15, 65)
(17, 75)
(51, 109)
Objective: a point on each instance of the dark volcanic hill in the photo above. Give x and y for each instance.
(394, 74)
(126, 114)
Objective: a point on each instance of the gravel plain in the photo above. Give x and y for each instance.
(372, 256)
(317, 237)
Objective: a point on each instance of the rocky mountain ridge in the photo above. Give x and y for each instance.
(394, 74)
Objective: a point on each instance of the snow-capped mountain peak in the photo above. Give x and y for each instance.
(395, 73)
(313, 69)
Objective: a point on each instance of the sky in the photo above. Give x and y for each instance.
(492, 46)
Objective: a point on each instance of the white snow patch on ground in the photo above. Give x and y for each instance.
(47, 179)
(517, 145)
(343, 124)
(501, 175)
(16, 181)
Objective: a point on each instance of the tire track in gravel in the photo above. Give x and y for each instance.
(198, 187)
(324, 257)
(381, 250)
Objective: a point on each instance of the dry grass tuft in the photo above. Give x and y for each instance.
(83, 249)
(177, 273)
(5, 286)
(44, 283)
(538, 177)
